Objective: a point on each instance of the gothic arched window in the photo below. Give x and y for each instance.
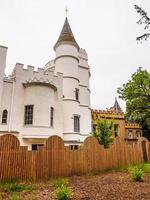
(4, 117)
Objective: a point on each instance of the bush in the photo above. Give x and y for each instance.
(63, 193)
(104, 132)
(137, 174)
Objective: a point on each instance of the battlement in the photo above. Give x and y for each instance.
(83, 55)
(107, 112)
(97, 114)
(30, 75)
(132, 125)
(50, 64)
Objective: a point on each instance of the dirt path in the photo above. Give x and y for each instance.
(110, 186)
(106, 186)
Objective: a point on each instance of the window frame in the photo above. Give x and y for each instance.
(4, 116)
(28, 117)
(116, 130)
(73, 147)
(76, 94)
(36, 146)
(51, 116)
(76, 119)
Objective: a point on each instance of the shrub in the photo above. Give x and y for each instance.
(137, 174)
(63, 193)
(104, 132)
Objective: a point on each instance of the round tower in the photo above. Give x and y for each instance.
(66, 62)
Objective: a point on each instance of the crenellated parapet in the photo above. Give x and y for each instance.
(132, 126)
(97, 114)
(30, 76)
(83, 55)
(50, 65)
(83, 58)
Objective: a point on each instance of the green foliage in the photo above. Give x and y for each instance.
(136, 93)
(60, 181)
(104, 132)
(136, 174)
(14, 187)
(14, 196)
(145, 167)
(120, 169)
(1, 196)
(63, 193)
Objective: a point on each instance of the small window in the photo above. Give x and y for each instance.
(77, 94)
(51, 116)
(137, 134)
(76, 123)
(35, 146)
(74, 147)
(130, 134)
(4, 117)
(116, 130)
(28, 118)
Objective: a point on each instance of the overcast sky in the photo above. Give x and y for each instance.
(107, 29)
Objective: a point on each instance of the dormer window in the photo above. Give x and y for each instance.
(77, 94)
(4, 117)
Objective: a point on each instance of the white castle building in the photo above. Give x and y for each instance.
(54, 100)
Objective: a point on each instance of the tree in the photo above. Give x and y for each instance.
(143, 20)
(104, 132)
(136, 93)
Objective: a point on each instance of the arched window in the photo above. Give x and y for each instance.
(4, 117)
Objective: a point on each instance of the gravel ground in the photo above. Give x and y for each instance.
(106, 186)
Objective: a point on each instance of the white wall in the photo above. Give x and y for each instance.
(3, 53)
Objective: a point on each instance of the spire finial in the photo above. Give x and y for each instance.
(66, 11)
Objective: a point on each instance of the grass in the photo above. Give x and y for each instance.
(14, 187)
(14, 196)
(63, 193)
(60, 181)
(145, 167)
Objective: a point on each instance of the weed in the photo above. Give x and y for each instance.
(14, 196)
(137, 174)
(63, 193)
(14, 187)
(120, 169)
(60, 181)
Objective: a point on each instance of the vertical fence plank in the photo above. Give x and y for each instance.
(55, 159)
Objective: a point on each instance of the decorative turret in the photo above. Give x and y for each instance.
(117, 107)
(66, 36)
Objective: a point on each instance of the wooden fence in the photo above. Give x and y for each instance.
(55, 160)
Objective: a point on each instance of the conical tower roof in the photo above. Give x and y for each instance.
(66, 36)
(117, 107)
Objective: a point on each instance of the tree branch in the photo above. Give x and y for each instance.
(144, 20)
(144, 36)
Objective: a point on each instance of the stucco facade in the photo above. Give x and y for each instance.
(60, 88)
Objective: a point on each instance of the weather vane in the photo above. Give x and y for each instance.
(66, 11)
